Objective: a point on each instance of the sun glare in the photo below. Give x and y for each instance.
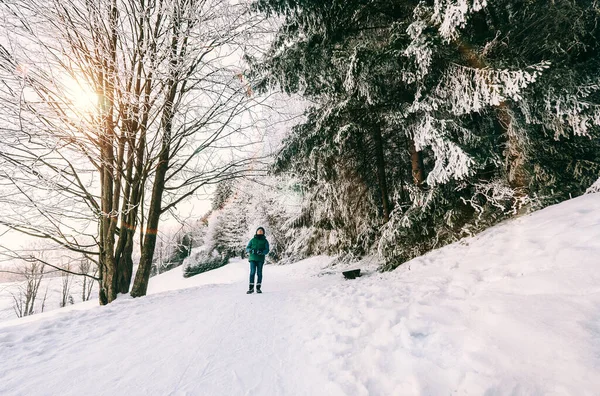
(81, 96)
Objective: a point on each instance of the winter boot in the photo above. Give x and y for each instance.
(258, 289)
(251, 289)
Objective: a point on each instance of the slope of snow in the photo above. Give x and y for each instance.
(513, 311)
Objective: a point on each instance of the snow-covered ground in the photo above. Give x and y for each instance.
(513, 311)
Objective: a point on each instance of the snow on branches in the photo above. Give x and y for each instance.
(465, 89)
(451, 162)
(575, 110)
(451, 15)
(594, 188)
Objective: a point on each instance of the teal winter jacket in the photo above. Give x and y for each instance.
(258, 247)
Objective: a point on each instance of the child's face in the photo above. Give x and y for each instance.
(260, 232)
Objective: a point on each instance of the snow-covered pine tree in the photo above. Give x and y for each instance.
(222, 193)
(458, 113)
(271, 202)
(274, 203)
(230, 224)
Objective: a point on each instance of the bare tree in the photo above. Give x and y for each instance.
(174, 246)
(44, 299)
(87, 267)
(26, 295)
(66, 281)
(169, 102)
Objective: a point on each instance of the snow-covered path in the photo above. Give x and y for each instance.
(513, 311)
(206, 340)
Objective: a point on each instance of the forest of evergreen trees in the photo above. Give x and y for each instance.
(428, 121)
(432, 120)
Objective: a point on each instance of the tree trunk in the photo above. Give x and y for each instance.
(381, 174)
(123, 262)
(515, 158)
(107, 283)
(416, 160)
(125, 232)
(514, 154)
(123, 257)
(132, 198)
(108, 218)
(142, 276)
(108, 291)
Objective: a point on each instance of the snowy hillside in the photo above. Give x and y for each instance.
(513, 311)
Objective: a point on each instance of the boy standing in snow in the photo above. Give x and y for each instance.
(258, 248)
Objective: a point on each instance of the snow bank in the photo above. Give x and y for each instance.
(513, 311)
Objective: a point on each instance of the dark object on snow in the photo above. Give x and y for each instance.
(351, 274)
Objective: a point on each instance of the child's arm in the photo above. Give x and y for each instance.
(249, 246)
(266, 248)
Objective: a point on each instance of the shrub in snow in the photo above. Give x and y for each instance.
(203, 261)
(172, 248)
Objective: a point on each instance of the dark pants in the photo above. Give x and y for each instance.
(256, 266)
